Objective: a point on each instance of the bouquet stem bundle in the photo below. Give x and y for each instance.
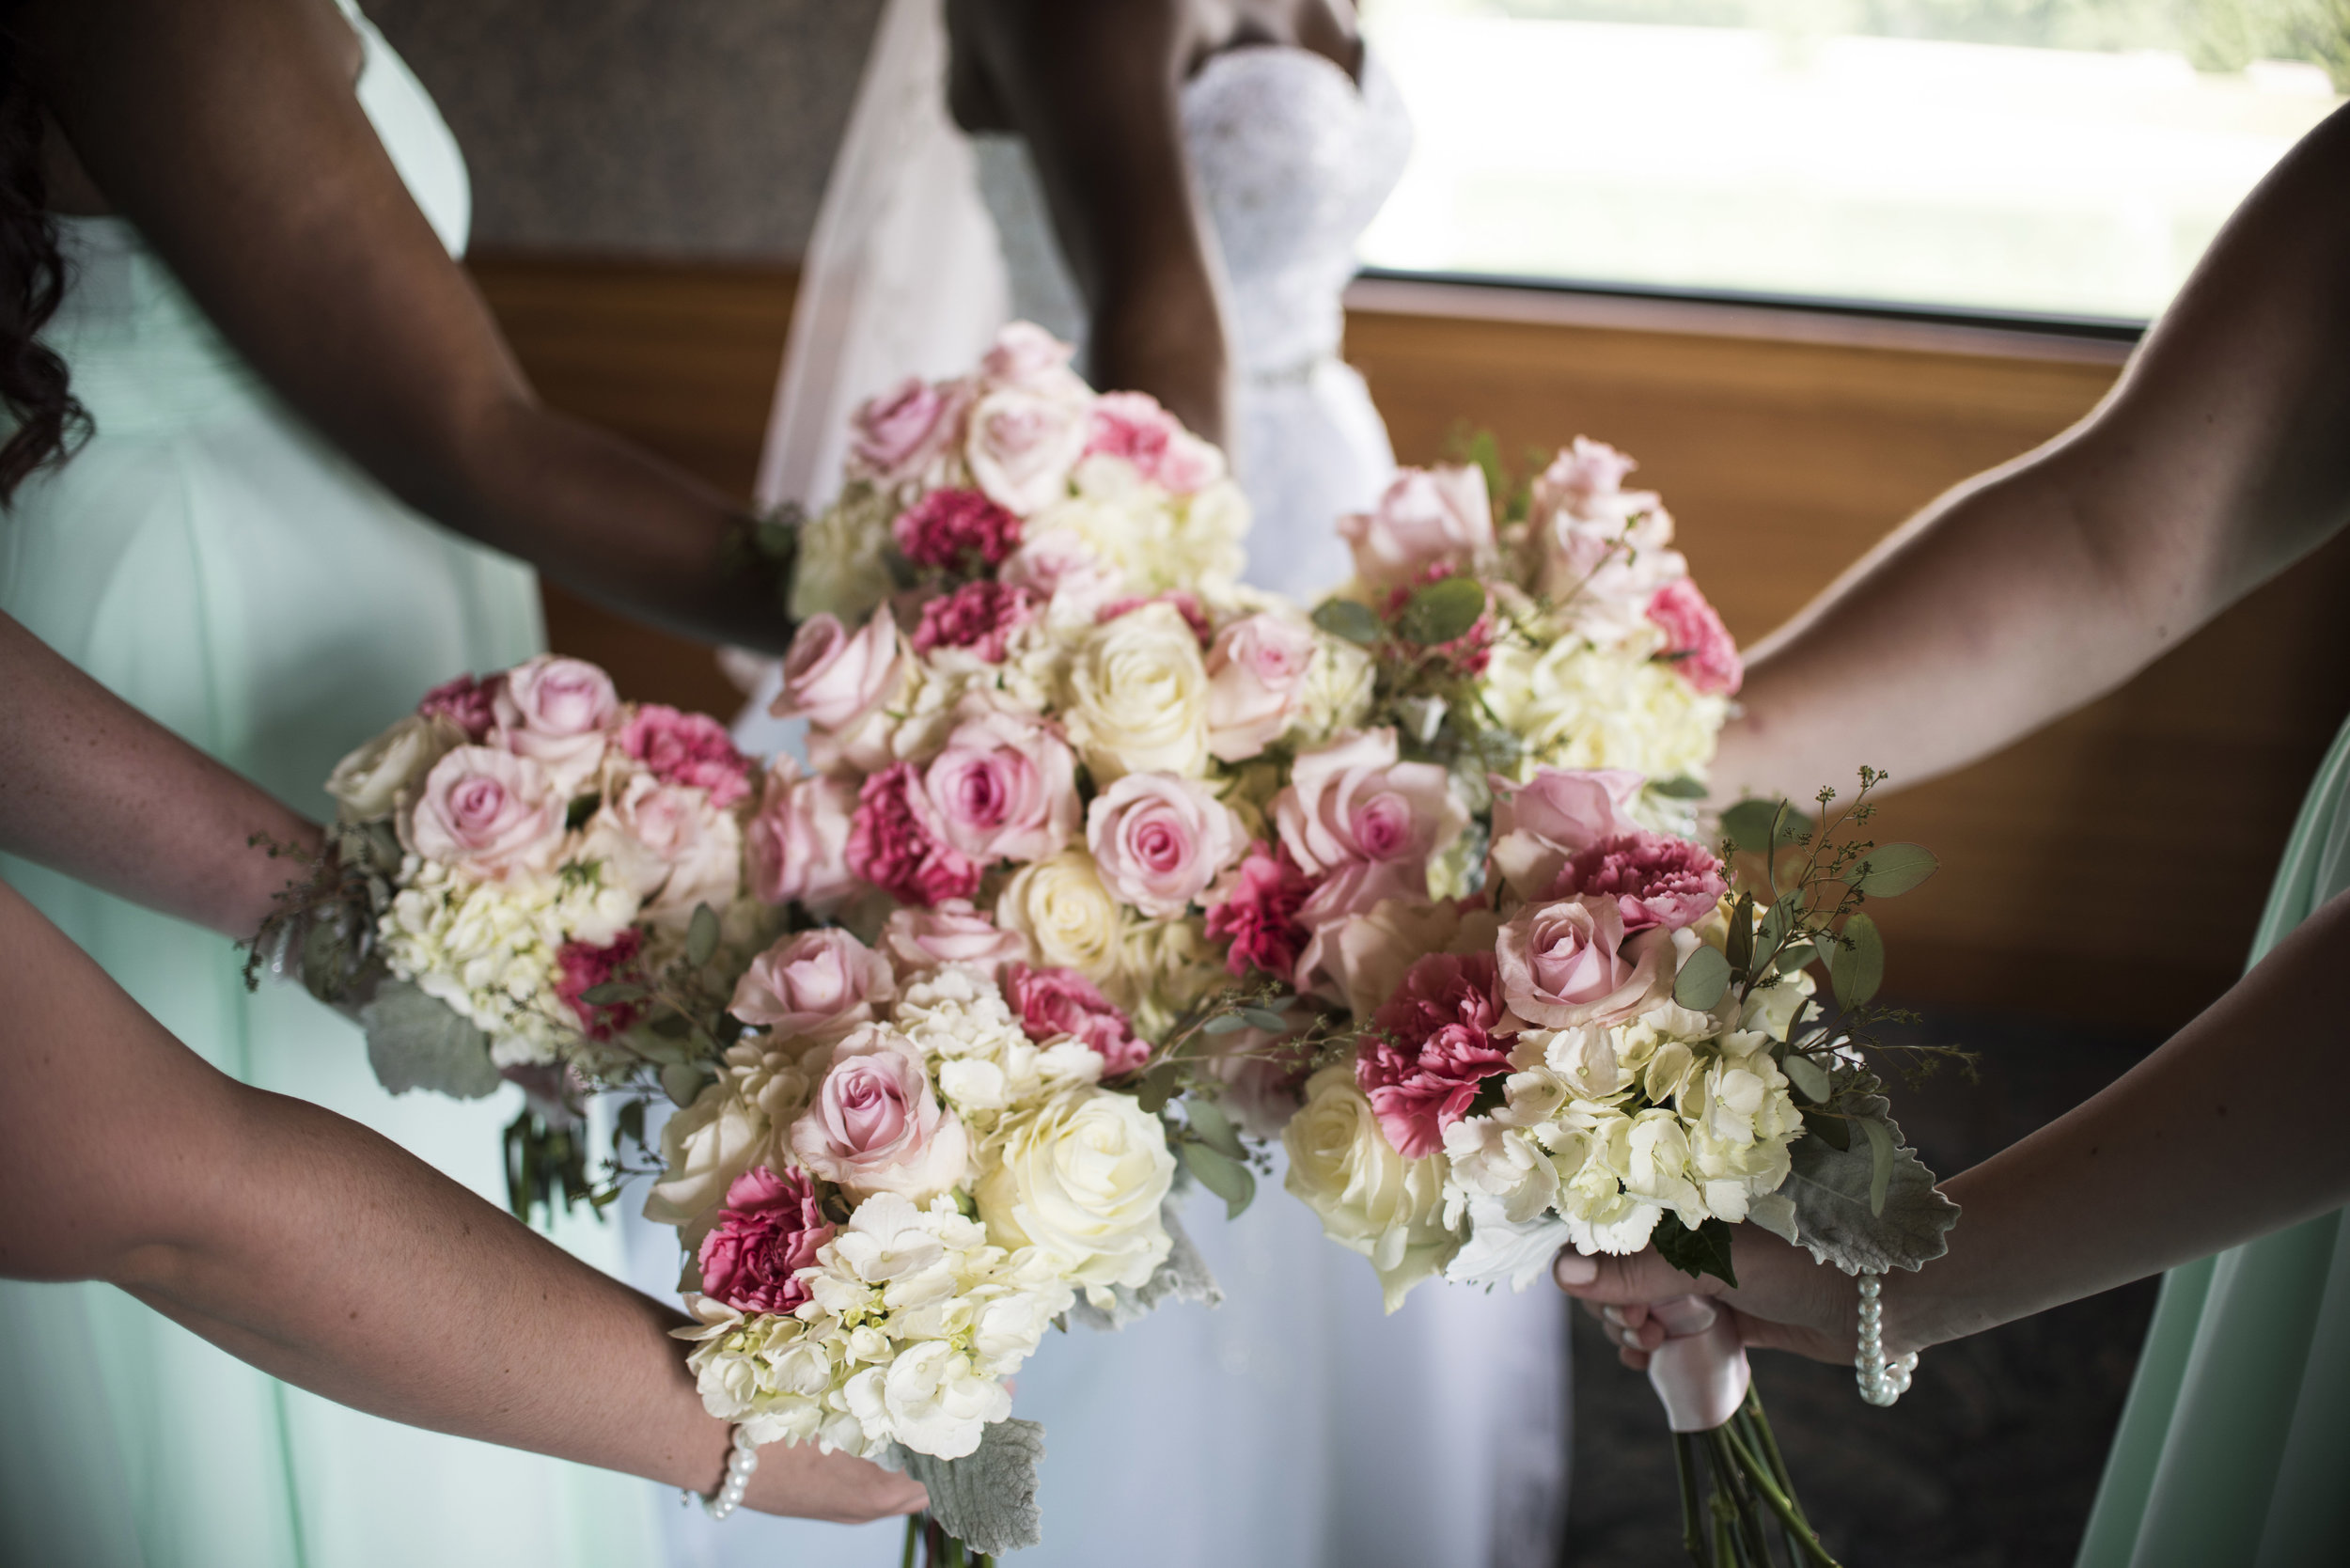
(1736, 1499)
(938, 1548)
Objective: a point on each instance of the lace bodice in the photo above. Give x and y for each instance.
(1293, 161)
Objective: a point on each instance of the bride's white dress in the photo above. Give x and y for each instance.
(1295, 1424)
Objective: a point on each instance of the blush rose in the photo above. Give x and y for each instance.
(875, 1126)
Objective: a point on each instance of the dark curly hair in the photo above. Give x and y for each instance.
(34, 382)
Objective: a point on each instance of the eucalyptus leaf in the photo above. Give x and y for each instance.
(419, 1041)
(1834, 1131)
(1891, 869)
(1808, 1076)
(1840, 1217)
(1225, 1022)
(681, 1084)
(1856, 967)
(612, 992)
(1214, 1128)
(1156, 1088)
(1347, 619)
(1183, 1277)
(1740, 950)
(987, 1499)
(1704, 978)
(1265, 1019)
(1794, 957)
(1679, 789)
(1443, 611)
(1748, 825)
(1222, 1175)
(701, 936)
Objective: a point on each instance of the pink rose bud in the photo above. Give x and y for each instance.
(769, 1230)
(1425, 517)
(1572, 963)
(874, 1125)
(1056, 565)
(1256, 909)
(817, 985)
(1003, 788)
(894, 845)
(798, 844)
(1057, 1002)
(893, 437)
(1159, 840)
(917, 940)
(1700, 646)
(559, 712)
(691, 749)
(1351, 804)
(467, 703)
(1655, 881)
(1025, 356)
(489, 812)
(955, 531)
(1437, 1044)
(1257, 671)
(832, 678)
(1022, 444)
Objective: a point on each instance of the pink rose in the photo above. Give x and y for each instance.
(797, 846)
(1003, 788)
(1026, 356)
(1350, 804)
(817, 985)
(769, 1230)
(1055, 564)
(1539, 825)
(583, 966)
(875, 1126)
(1582, 478)
(953, 932)
(557, 711)
(1700, 647)
(892, 437)
(691, 852)
(489, 812)
(693, 749)
(892, 846)
(1159, 840)
(1425, 517)
(1655, 880)
(1440, 1045)
(1057, 1002)
(467, 703)
(979, 617)
(1021, 446)
(1256, 670)
(1356, 956)
(955, 531)
(830, 678)
(1572, 963)
(1605, 550)
(1255, 908)
(1132, 426)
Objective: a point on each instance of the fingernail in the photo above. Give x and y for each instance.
(1572, 1269)
(1613, 1314)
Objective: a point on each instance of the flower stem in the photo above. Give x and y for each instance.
(1692, 1530)
(1777, 1501)
(914, 1534)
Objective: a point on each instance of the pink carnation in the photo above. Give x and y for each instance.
(1656, 881)
(467, 703)
(1132, 426)
(1696, 640)
(1255, 908)
(688, 748)
(1057, 1002)
(585, 968)
(1425, 1077)
(956, 530)
(980, 615)
(768, 1231)
(891, 844)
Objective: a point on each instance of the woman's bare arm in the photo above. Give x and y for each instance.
(322, 1254)
(1095, 87)
(2221, 458)
(229, 134)
(2218, 1138)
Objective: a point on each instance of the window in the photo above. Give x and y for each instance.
(2066, 158)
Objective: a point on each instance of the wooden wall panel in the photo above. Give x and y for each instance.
(2108, 869)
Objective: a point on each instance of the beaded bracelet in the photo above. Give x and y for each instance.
(1883, 1379)
(741, 1459)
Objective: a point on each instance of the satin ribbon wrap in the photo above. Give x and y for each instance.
(1700, 1372)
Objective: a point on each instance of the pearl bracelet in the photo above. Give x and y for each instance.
(1883, 1379)
(741, 1459)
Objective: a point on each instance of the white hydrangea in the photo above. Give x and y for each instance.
(1158, 540)
(986, 1066)
(842, 565)
(487, 949)
(1579, 706)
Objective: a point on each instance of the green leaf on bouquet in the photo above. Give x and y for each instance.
(1871, 1206)
(1740, 950)
(1856, 967)
(612, 992)
(418, 1041)
(1808, 1076)
(681, 1083)
(987, 1499)
(1225, 1022)
(1704, 976)
(1772, 929)
(1683, 788)
(1891, 869)
(1696, 1253)
(1183, 1277)
(1795, 956)
(1748, 825)
(1214, 1128)
(1349, 620)
(701, 936)
(1443, 610)
(1265, 1019)
(1156, 1087)
(1221, 1174)
(1834, 1131)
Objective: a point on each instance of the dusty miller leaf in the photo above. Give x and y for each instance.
(1831, 1188)
(987, 1499)
(1183, 1277)
(419, 1041)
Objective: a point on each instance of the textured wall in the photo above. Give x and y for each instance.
(683, 128)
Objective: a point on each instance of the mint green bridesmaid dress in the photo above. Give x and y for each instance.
(2234, 1446)
(214, 562)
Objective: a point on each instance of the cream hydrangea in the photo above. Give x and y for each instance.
(1370, 1198)
(1156, 539)
(1080, 1178)
(487, 949)
(984, 1062)
(1577, 706)
(841, 564)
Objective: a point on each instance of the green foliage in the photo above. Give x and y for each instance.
(987, 1499)
(1696, 1253)
(1892, 869)
(1221, 1174)
(546, 1161)
(1703, 980)
(701, 936)
(1856, 967)
(1346, 619)
(418, 1041)
(1871, 1204)
(1443, 611)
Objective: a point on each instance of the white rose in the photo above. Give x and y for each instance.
(1081, 1180)
(1139, 692)
(730, 1127)
(1067, 917)
(1371, 1200)
(374, 782)
(1021, 446)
